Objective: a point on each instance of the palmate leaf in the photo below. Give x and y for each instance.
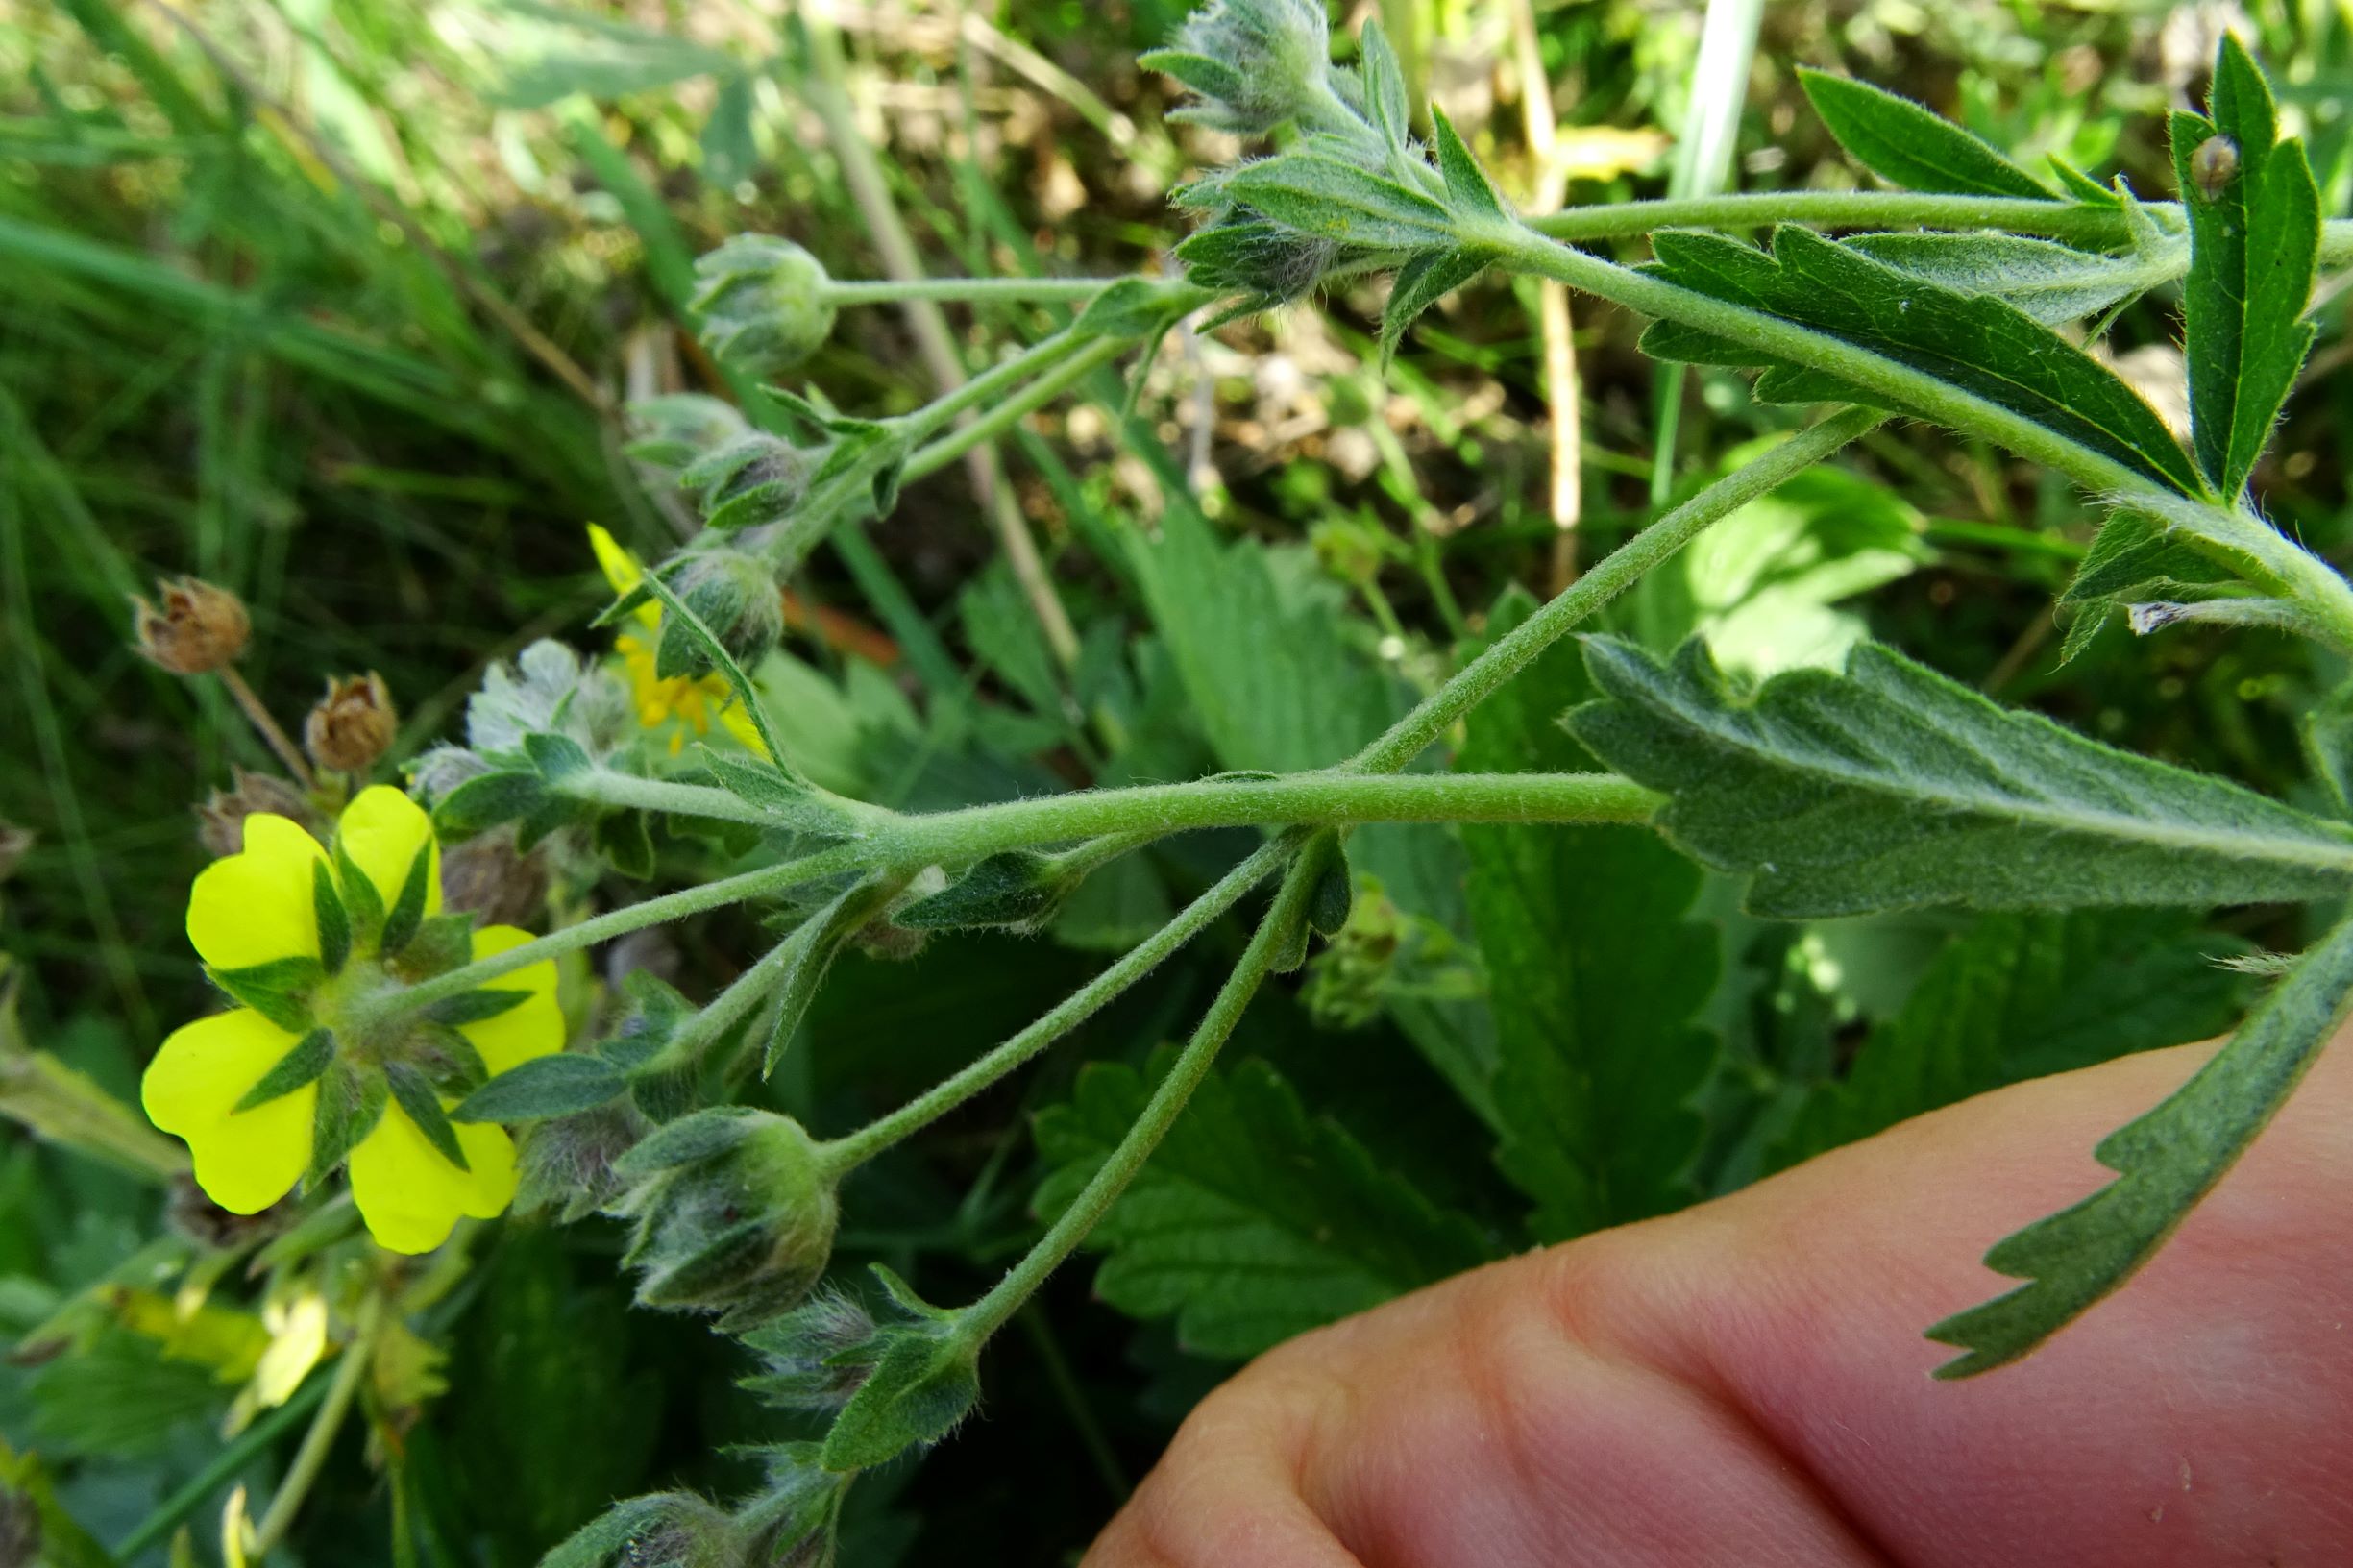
(1910, 145)
(2019, 995)
(2254, 243)
(1254, 1221)
(1979, 343)
(2165, 1162)
(1594, 976)
(1891, 787)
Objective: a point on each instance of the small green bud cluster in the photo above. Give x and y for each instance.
(763, 305)
(792, 1523)
(1254, 65)
(735, 1212)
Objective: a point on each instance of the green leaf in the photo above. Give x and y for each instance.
(2254, 243)
(924, 1380)
(1909, 145)
(809, 952)
(415, 1095)
(2133, 559)
(558, 757)
(1465, 181)
(625, 838)
(1385, 100)
(486, 802)
(1891, 787)
(2020, 996)
(334, 921)
(775, 789)
(1979, 343)
(2049, 282)
(1594, 975)
(1319, 195)
(1017, 887)
(1253, 1221)
(557, 1084)
(2166, 1162)
(1425, 278)
(302, 1063)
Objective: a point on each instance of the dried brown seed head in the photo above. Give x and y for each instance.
(353, 725)
(196, 629)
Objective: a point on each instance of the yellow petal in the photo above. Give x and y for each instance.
(411, 1197)
(245, 1160)
(530, 1028)
(738, 725)
(621, 571)
(382, 830)
(257, 906)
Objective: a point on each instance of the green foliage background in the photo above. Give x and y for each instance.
(263, 281)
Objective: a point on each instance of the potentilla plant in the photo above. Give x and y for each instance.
(382, 1042)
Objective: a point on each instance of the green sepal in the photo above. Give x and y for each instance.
(1326, 197)
(442, 943)
(924, 1381)
(775, 790)
(1333, 896)
(810, 952)
(422, 1106)
(448, 1061)
(351, 1102)
(476, 1005)
(408, 909)
(559, 1085)
(302, 1063)
(279, 990)
(335, 921)
(1385, 102)
(1425, 278)
(361, 902)
(1207, 77)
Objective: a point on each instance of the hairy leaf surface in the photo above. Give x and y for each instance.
(2019, 996)
(2165, 1161)
(1594, 976)
(1910, 145)
(1254, 1221)
(2254, 243)
(1892, 787)
(1979, 343)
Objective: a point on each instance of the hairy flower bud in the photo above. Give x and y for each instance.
(732, 592)
(565, 1164)
(763, 303)
(667, 1529)
(489, 877)
(815, 1357)
(1251, 64)
(751, 481)
(671, 431)
(735, 1212)
(196, 629)
(353, 725)
(220, 822)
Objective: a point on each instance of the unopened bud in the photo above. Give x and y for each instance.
(763, 303)
(196, 629)
(353, 725)
(668, 1529)
(672, 430)
(735, 1212)
(565, 1164)
(220, 822)
(751, 481)
(813, 1357)
(1270, 62)
(735, 596)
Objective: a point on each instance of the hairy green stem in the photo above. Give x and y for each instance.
(975, 1323)
(854, 1149)
(1003, 416)
(721, 1011)
(1610, 577)
(988, 290)
(993, 384)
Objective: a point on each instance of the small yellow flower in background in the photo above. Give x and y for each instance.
(311, 1072)
(692, 701)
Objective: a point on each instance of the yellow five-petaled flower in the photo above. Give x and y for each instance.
(320, 938)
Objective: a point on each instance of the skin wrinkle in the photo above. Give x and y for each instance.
(1745, 1384)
